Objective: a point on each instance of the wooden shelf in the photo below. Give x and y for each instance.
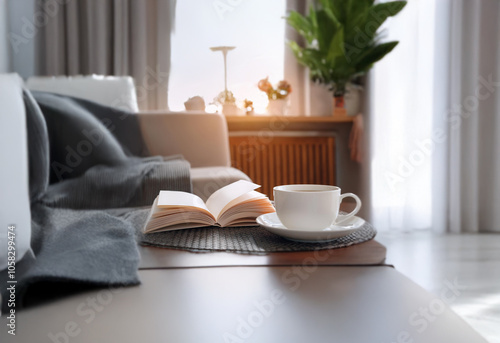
(255, 123)
(302, 119)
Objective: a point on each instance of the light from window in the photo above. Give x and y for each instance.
(255, 27)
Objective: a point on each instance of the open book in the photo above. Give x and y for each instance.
(237, 204)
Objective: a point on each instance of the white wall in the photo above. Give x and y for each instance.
(4, 45)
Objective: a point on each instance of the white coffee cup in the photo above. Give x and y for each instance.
(311, 207)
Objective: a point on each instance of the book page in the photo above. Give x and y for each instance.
(244, 212)
(180, 199)
(218, 201)
(242, 198)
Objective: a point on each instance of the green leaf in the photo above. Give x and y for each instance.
(325, 4)
(338, 7)
(389, 9)
(336, 48)
(341, 36)
(332, 17)
(302, 25)
(379, 14)
(327, 29)
(373, 55)
(315, 60)
(356, 18)
(297, 50)
(312, 19)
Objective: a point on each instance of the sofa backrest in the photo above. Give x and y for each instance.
(114, 91)
(202, 138)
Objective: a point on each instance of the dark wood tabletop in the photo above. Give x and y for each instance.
(339, 295)
(350, 304)
(364, 254)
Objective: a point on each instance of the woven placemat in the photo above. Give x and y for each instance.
(250, 240)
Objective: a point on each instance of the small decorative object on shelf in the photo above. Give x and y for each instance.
(248, 104)
(227, 101)
(336, 51)
(278, 97)
(196, 103)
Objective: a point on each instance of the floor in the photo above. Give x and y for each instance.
(470, 261)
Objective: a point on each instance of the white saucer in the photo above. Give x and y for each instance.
(271, 223)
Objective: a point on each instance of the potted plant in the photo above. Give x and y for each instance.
(277, 96)
(341, 40)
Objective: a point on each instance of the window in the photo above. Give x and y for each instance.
(255, 27)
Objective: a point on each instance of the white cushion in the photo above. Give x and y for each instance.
(14, 189)
(207, 180)
(114, 91)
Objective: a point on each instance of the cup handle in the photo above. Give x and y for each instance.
(343, 217)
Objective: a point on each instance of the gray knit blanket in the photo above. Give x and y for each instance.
(86, 162)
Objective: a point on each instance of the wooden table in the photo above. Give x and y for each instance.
(347, 295)
(250, 304)
(366, 254)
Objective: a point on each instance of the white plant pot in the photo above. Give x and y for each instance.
(278, 107)
(352, 100)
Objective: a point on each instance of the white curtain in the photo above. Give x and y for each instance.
(4, 47)
(474, 117)
(110, 37)
(435, 149)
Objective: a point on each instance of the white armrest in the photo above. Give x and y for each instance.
(14, 172)
(201, 138)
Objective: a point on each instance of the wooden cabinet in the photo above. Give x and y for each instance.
(284, 150)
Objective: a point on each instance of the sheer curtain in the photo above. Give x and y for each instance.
(401, 103)
(435, 128)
